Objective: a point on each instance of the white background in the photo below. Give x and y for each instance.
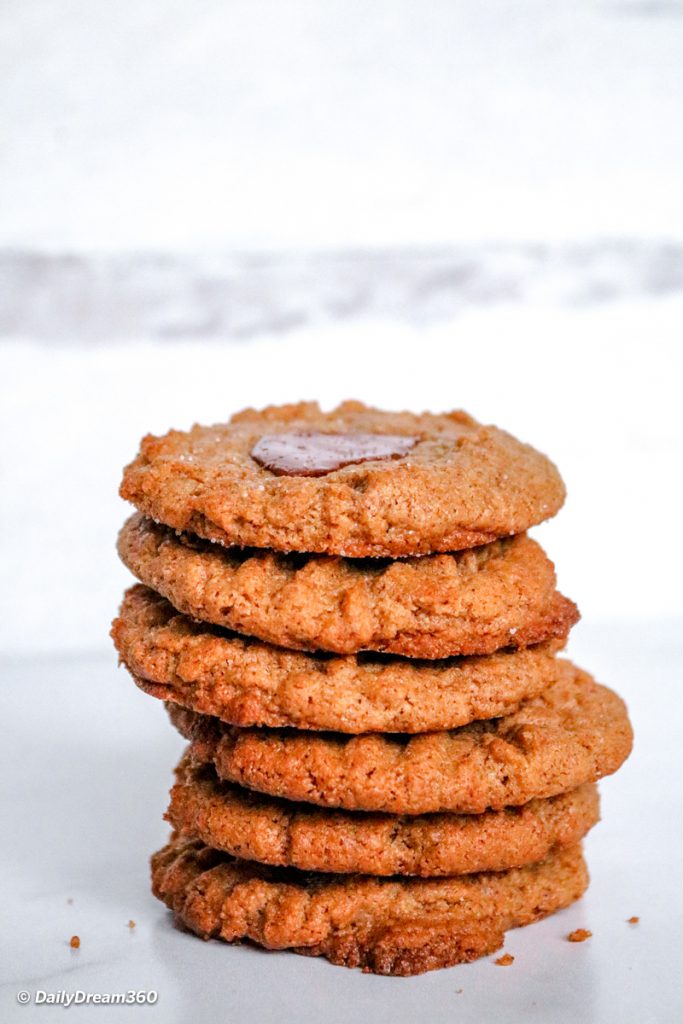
(157, 123)
(438, 205)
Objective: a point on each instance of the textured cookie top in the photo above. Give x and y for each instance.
(472, 602)
(245, 682)
(574, 732)
(451, 484)
(386, 925)
(279, 832)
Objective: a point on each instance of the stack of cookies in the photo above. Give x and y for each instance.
(388, 765)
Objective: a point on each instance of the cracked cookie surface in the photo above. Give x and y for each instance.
(437, 606)
(393, 926)
(246, 682)
(273, 831)
(462, 484)
(575, 731)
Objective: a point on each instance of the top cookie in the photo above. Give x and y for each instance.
(355, 481)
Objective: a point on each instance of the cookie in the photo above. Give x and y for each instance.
(574, 732)
(245, 682)
(471, 602)
(272, 831)
(355, 481)
(385, 925)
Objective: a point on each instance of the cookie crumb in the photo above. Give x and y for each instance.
(75, 942)
(633, 920)
(131, 924)
(70, 899)
(579, 935)
(459, 991)
(505, 960)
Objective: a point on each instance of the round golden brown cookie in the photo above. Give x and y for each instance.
(273, 831)
(429, 483)
(574, 732)
(472, 602)
(386, 925)
(245, 682)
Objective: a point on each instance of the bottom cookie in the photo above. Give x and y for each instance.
(391, 926)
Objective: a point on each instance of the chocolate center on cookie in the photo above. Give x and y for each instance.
(314, 454)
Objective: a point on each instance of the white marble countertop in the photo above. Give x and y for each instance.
(87, 762)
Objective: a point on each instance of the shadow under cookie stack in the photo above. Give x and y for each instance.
(388, 764)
